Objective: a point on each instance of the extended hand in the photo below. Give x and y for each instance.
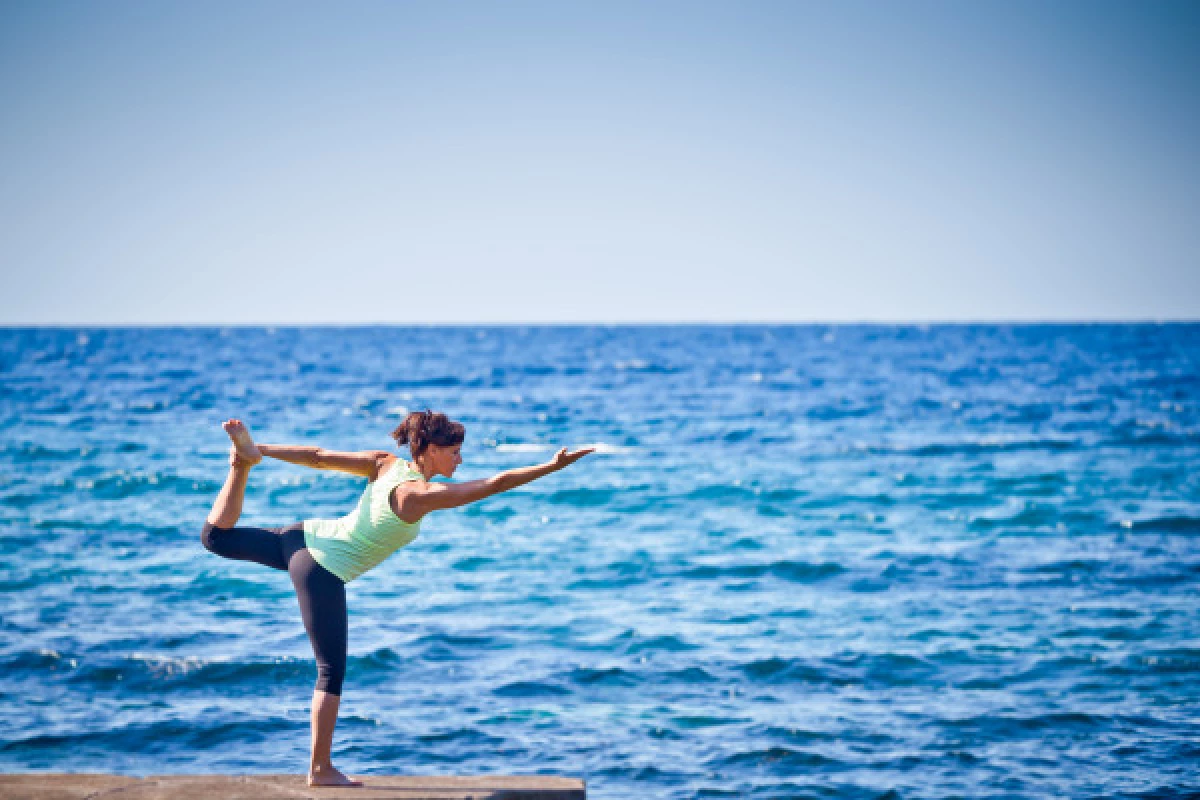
(562, 458)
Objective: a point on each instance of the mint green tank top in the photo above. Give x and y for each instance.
(355, 543)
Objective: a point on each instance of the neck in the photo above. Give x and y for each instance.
(426, 472)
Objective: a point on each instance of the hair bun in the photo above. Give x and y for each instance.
(423, 428)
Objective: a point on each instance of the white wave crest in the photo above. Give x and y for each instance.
(602, 447)
(533, 447)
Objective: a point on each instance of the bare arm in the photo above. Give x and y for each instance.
(364, 463)
(434, 496)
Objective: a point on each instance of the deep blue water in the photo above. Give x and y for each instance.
(809, 561)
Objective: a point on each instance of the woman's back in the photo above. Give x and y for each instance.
(353, 544)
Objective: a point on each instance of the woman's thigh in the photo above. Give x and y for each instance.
(244, 543)
(322, 599)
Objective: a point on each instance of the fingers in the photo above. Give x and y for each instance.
(563, 457)
(571, 458)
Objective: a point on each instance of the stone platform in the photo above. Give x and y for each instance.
(98, 786)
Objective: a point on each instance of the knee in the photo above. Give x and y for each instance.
(329, 679)
(210, 537)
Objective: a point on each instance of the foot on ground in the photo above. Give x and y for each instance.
(241, 441)
(330, 776)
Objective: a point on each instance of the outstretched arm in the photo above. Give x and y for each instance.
(364, 463)
(435, 496)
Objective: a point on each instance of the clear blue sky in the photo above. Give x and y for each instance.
(293, 163)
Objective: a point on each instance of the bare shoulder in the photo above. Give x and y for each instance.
(406, 499)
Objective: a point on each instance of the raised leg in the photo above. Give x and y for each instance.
(228, 506)
(243, 455)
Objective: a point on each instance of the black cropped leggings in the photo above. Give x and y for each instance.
(322, 595)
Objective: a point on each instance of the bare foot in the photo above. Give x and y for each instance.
(236, 461)
(329, 776)
(242, 442)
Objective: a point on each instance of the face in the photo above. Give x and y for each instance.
(444, 460)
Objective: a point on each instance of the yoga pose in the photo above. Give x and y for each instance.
(323, 555)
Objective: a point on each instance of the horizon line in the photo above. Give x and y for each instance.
(618, 324)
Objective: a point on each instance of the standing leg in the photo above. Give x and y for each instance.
(321, 771)
(322, 599)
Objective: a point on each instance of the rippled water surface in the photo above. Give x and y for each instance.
(810, 561)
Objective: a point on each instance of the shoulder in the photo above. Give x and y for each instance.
(409, 480)
(407, 499)
(383, 462)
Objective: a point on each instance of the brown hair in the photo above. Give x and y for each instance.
(423, 428)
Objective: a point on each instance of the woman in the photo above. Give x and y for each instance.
(322, 555)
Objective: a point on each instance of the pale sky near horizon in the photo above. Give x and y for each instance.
(387, 162)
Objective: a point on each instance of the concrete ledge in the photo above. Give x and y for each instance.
(93, 786)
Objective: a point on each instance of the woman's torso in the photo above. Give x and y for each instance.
(360, 540)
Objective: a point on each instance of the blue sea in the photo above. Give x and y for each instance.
(811, 561)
